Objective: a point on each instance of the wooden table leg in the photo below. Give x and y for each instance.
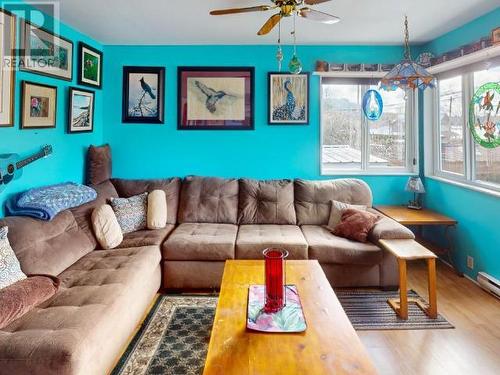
(431, 269)
(403, 291)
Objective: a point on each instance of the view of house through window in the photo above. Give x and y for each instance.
(350, 141)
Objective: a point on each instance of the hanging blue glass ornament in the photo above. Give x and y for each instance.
(373, 106)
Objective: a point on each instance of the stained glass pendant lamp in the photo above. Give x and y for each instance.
(407, 75)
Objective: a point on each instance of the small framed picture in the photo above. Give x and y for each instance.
(38, 106)
(288, 98)
(81, 111)
(46, 53)
(143, 94)
(495, 36)
(89, 66)
(215, 98)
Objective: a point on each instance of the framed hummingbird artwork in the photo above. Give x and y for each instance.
(143, 94)
(215, 98)
(81, 111)
(288, 99)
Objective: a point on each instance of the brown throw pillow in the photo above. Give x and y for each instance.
(355, 224)
(22, 296)
(98, 164)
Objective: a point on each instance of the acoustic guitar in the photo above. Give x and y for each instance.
(11, 166)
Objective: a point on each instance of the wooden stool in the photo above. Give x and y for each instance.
(405, 250)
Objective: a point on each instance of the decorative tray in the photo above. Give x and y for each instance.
(289, 319)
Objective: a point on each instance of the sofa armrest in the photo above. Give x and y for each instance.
(389, 229)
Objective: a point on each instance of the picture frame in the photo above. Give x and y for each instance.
(288, 98)
(38, 105)
(8, 72)
(36, 57)
(495, 36)
(81, 105)
(143, 94)
(215, 98)
(89, 66)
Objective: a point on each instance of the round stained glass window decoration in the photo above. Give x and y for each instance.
(373, 106)
(484, 115)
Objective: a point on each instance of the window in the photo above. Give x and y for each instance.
(352, 144)
(458, 157)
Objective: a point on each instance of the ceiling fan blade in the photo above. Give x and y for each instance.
(314, 2)
(316, 15)
(269, 25)
(221, 12)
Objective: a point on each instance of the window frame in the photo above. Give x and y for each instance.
(433, 159)
(411, 140)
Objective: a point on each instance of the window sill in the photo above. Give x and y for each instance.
(347, 172)
(467, 185)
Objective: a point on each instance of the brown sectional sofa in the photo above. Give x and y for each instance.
(104, 293)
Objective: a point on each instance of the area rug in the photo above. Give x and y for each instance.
(173, 339)
(369, 310)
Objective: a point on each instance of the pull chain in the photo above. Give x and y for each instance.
(407, 40)
(279, 53)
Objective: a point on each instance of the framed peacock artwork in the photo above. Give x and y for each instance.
(288, 99)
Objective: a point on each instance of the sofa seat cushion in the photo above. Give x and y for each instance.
(253, 239)
(201, 241)
(328, 248)
(146, 237)
(63, 335)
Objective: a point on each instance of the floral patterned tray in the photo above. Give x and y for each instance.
(289, 319)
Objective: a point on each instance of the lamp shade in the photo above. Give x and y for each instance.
(415, 185)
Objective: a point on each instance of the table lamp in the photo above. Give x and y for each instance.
(415, 186)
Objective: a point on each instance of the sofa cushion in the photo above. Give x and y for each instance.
(98, 164)
(82, 329)
(157, 209)
(328, 248)
(388, 229)
(201, 241)
(146, 237)
(312, 198)
(83, 213)
(208, 200)
(106, 227)
(171, 186)
(253, 239)
(131, 213)
(47, 247)
(266, 202)
(10, 269)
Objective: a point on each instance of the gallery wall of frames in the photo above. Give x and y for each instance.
(52, 97)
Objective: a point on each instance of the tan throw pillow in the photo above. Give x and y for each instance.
(106, 227)
(336, 212)
(157, 210)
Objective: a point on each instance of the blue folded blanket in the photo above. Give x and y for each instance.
(46, 202)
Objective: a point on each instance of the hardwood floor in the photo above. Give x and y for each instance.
(473, 347)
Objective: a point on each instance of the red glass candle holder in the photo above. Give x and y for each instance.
(275, 279)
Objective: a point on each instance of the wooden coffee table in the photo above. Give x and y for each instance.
(329, 346)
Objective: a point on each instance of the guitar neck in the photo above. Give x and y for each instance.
(23, 163)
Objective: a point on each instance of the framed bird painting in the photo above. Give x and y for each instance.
(288, 99)
(215, 98)
(143, 94)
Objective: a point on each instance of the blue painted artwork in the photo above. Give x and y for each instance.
(373, 106)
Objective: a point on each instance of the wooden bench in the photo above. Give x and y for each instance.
(405, 250)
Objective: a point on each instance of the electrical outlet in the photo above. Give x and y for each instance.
(470, 262)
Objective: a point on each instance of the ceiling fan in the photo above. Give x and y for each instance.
(286, 8)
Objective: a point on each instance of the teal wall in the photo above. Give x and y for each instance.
(477, 213)
(66, 162)
(266, 152)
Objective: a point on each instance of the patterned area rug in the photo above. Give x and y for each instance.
(369, 310)
(174, 337)
(173, 340)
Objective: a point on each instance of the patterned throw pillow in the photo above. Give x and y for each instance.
(10, 269)
(131, 213)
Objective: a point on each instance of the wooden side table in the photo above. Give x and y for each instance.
(420, 219)
(405, 250)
